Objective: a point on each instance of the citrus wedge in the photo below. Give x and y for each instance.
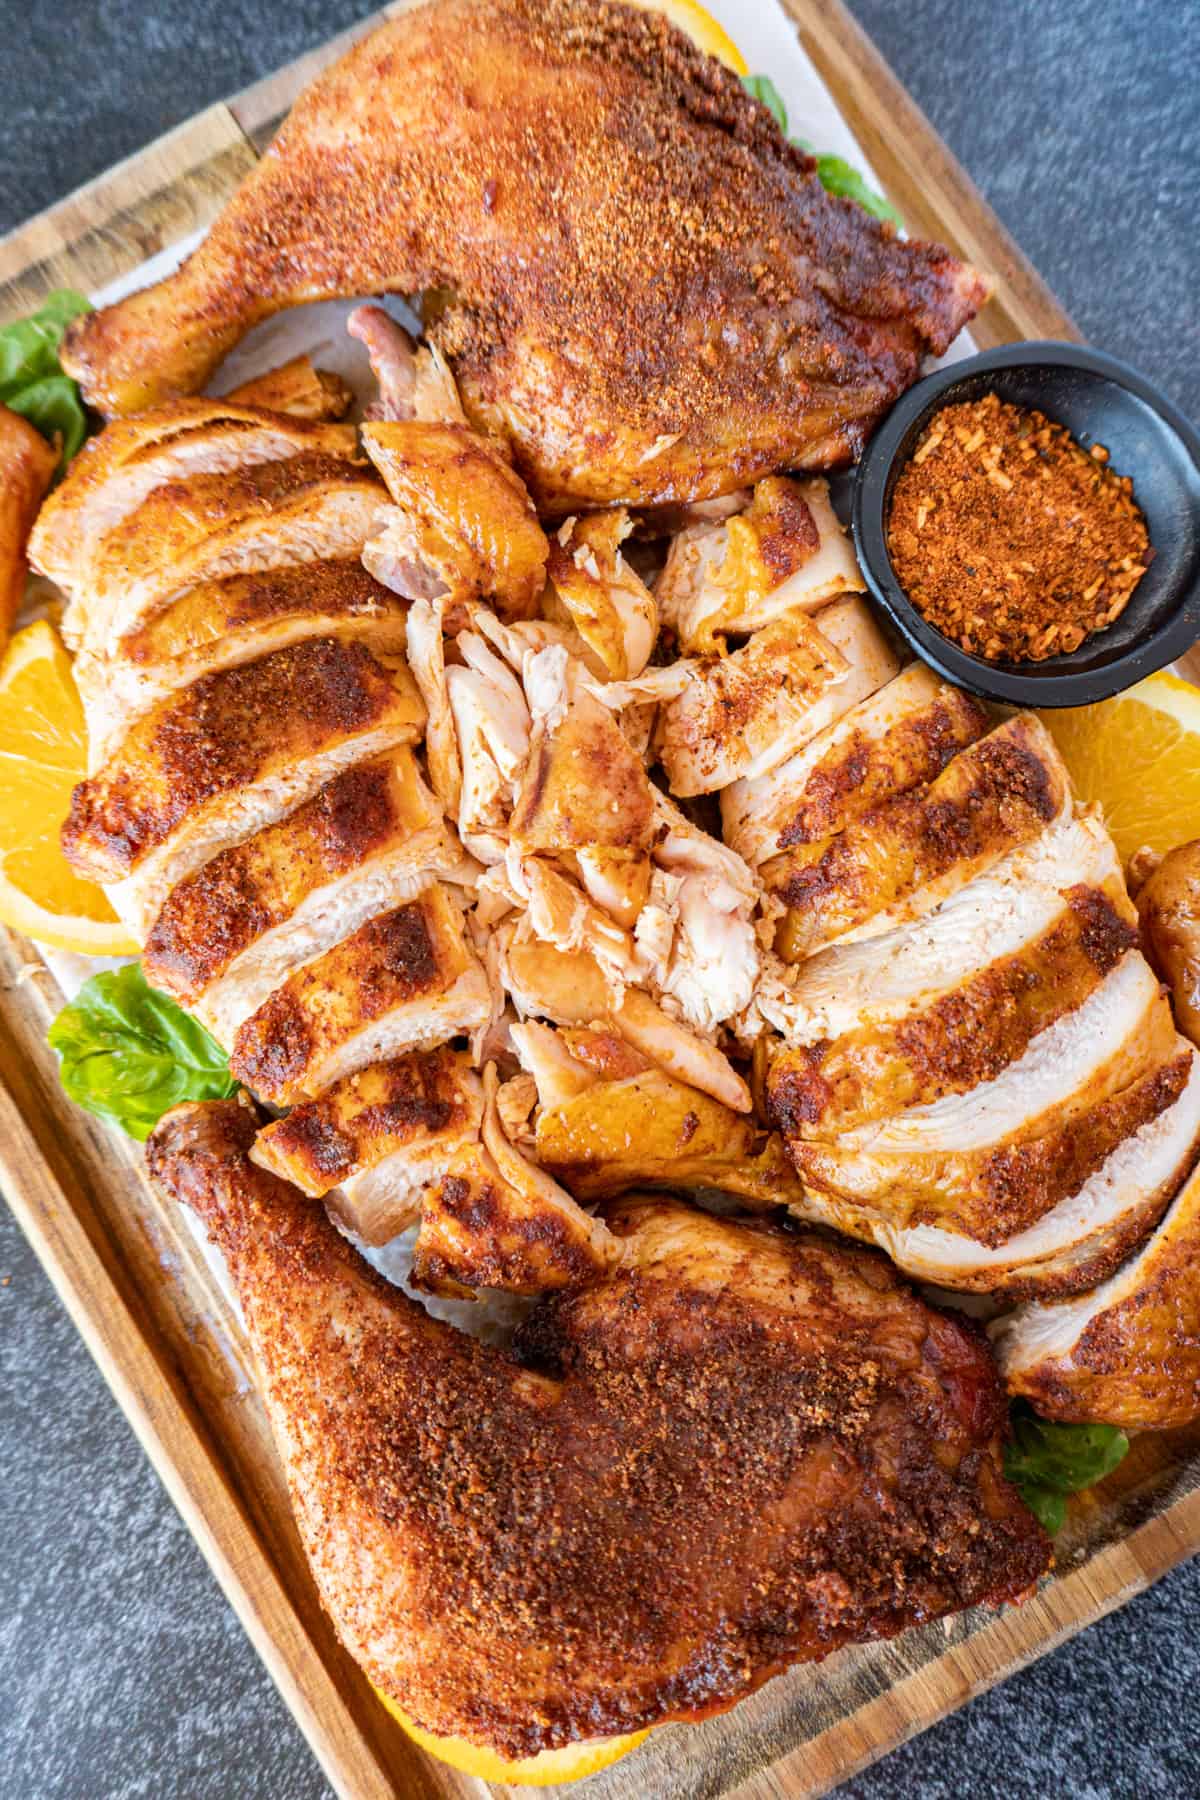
(702, 28)
(1138, 755)
(571, 1763)
(43, 745)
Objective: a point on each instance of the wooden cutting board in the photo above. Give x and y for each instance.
(154, 1316)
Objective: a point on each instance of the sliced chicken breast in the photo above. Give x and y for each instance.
(462, 527)
(609, 606)
(405, 980)
(307, 508)
(965, 1037)
(222, 624)
(993, 1191)
(119, 469)
(907, 855)
(876, 980)
(1078, 1242)
(1128, 1352)
(216, 762)
(739, 715)
(229, 934)
(378, 1140)
(582, 783)
(784, 551)
(899, 737)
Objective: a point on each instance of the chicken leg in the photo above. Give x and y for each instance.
(639, 282)
(739, 1449)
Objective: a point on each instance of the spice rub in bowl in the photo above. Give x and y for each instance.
(1009, 537)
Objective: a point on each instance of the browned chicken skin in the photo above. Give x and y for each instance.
(1169, 910)
(643, 286)
(533, 1547)
(27, 465)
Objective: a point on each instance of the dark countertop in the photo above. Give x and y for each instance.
(123, 1674)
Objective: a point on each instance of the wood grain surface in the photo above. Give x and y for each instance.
(155, 1316)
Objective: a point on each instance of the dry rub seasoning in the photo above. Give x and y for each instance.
(1010, 537)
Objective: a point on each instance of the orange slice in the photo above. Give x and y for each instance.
(1138, 756)
(571, 1763)
(703, 30)
(43, 748)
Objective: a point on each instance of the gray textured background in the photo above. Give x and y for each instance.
(122, 1672)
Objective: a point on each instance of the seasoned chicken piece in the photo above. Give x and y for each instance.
(413, 384)
(899, 737)
(1169, 909)
(623, 1568)
(462, 527)
(426, 650)
(741, 714)
(115, 472)
(879, 980)
(491, 725)
(298, 389)
(559, 913)
(234, 752)
(376, 1141)
(610, 607)
(967, 1036)
(222, 624)
(658, 302)
(571, 989)
(496, 1220)
(785, 552)
(230, 933)
(1078, 1242)
(306, 508)
(27, 465)
(406, 979)
(604, 1132)
(1128, 1353)
(902, 858)
(991, 1191)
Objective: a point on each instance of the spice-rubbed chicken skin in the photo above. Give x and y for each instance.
(646, 289)
(531, 1547)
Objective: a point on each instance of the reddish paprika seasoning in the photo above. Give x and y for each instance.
(1009, 537)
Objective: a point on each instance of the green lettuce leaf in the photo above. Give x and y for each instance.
(1046, 1462)
(128, 1054)
(32, 382)
(835, 174)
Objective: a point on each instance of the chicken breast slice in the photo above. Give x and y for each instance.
(216, 762)
(229, 934)
(374, 1143)
(223, 624)
(784, 551)
(462, 527)
(907, 855)
(965, 1037)
(582, 784)
(119, 469)
(1128, 1352)
(405, 980)
(873, 981)
(1078, 1242)
(739, 715)
(899, 737)
(609, 606)
(306, 508)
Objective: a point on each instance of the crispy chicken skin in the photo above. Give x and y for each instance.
(653, 297)
(1169, 909)
(531, 1547)
(27, 465)
(1126, 1354)
(298, 389)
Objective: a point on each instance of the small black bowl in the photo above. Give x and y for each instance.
(1099, 400)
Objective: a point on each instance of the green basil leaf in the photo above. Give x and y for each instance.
(1047, 1507)
(32, 381)
(837, 176)
(1045, 1460)
(128, 1053)
(761, 87)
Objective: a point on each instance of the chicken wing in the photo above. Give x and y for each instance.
(528, 1547)
(644, 288)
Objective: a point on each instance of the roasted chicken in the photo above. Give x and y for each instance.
(1168, 906)
(640, 285)
(555, 1542)
(27, 465)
